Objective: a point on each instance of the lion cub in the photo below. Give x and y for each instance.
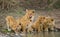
(49, 23)
(12, 24)
(37, 25)
(26, 19)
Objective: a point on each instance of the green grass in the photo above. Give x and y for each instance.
(6, 31)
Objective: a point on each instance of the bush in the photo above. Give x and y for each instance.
(57, 4)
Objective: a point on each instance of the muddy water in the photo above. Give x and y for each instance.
(43, 34)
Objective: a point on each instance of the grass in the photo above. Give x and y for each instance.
(6, 31)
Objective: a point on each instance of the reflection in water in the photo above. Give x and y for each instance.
(51, 34)
(48, 34)
(41, 34)
(45, 34)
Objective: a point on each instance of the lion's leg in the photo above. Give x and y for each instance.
(30, 30)
(46, 29)
(24, 30)
(39, 29)
(52, 27)
(8, 27)
(16, 32)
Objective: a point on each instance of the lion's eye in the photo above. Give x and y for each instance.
(19, 23)
(43, 17)
(52, 20)
(40, 22)
(30, 20)
(33, 12)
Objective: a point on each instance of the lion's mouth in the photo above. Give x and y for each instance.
(30, 17)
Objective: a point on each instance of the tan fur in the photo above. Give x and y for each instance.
(37, 25)
(26, 19)
(12, 24)
(49, 23)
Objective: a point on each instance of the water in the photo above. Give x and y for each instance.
(41, 34)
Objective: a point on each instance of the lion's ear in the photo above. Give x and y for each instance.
(26, 10)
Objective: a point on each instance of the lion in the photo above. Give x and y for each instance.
(12, 24)
(37, 25)
(26, 19)
(49, 23)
